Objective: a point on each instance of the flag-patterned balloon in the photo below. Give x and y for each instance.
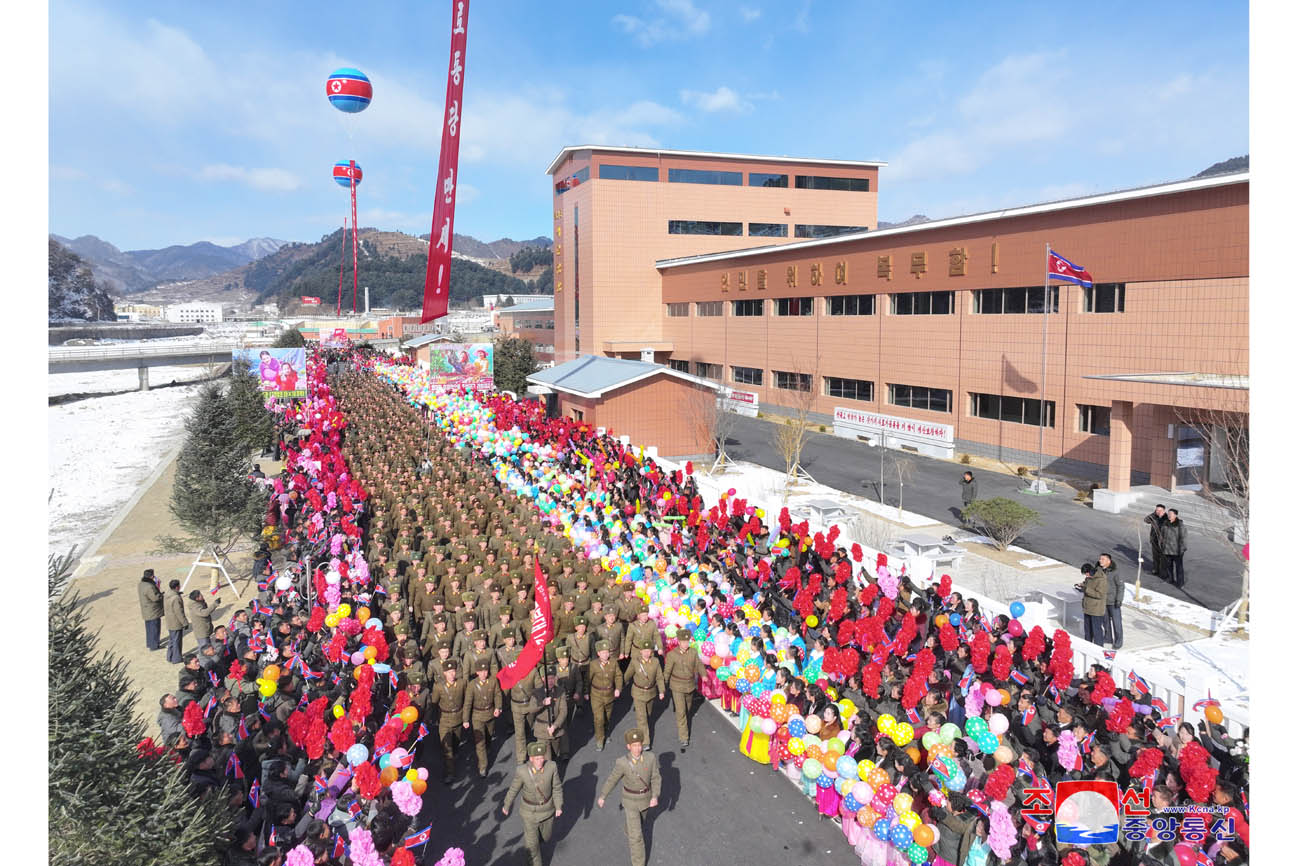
(348, 90)
(346, 172)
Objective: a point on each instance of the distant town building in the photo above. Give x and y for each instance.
(492, 302)
(534, 321)
(195, 312)
(138, 312)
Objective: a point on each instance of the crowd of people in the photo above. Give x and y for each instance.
(417, 522)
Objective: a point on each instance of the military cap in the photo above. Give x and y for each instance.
(479, 634)
(561, 652)
(449, 665)
(510, 630)
(633, 735)
(414, 676)
(644, 644)
(643, 608)
(553, 582)
(580, 619)
(683, 634)
(440, 617)
(602, 645)
(410, 651)
(443, 643)
(482, 665)
(468, 597)
(536, 748)
(570, 599)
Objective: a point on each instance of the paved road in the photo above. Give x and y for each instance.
(716, 805)
(1071, 532)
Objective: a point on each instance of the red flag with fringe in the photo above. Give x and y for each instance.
(542, 631)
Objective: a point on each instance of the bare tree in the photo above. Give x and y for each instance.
(903, 467)
(791, 436)
(1225, 478)
(712, 421)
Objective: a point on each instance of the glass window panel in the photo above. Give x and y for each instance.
(758, 178)
(844, 184)
(695, 175)
(769, 230)
(629, 172)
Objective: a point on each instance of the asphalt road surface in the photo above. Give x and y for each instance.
(716, 806)
(1070, 532)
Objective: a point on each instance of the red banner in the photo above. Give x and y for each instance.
(437, 275)
(309, 301)
(542, 632)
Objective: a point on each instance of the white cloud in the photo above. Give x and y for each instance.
(722, 99)
(266, 179)
(673, 19)
(748, 13)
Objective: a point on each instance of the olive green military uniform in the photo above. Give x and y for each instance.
(683, 667)
(522, 706)
(647, 684)
(606, 682)
(449, 698)
(482, 706)
(643, 632)
(641, 783)
(614, 634)
(543, 798)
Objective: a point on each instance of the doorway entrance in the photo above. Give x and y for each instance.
(1192, 457)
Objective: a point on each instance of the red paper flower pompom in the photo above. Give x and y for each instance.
(999, 782)
(192, 720)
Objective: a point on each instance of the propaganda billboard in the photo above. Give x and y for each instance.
(281, 373)
(461, 365)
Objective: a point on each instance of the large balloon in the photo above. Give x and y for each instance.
(348, 90)
(346, 173)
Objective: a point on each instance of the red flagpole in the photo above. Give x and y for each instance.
(353, 184)
(343, 254)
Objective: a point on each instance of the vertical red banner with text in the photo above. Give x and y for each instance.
(437, 275)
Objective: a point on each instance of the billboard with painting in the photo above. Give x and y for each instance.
(280, 372)
(461, 365)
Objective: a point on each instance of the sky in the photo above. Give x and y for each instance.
(176, 122)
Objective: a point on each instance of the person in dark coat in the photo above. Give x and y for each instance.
(174, 610)
(1156, 520)
(1173, 543)
(1114, 599)
(1095, 589)
(151, 609)
(970, 490)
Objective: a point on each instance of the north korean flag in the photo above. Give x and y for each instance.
(1138, 685)
(415, 840)
(1061, 268)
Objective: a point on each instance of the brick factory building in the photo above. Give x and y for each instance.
(534, 321)
(929, 335)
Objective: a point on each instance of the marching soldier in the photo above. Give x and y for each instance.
(647, 680)
(639, 773)
(482, 707)
(611, 631)
(551, 721)
(682, 670)
(479, 652)
(580, 651)
(643, 630)
(522, 706)
(606, 685)
(449, 697)
(543, 796)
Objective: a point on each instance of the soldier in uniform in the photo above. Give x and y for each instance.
(482, 706)
(499, 631)
(580, 652)
(415, 688)
(539, 783)
(647, 681)
(464, 639)
(606, 680)
(551, 722)
(441, 655)
(643, 630)
(682, 670)
(449, 697)
(639, 773)
(522, 706)
(612, 631)
(479, 652)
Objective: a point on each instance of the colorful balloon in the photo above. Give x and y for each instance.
(345, 174)
(349, 90)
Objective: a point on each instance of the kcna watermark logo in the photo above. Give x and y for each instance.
(1095, 812)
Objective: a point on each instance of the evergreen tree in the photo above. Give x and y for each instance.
(512, 363)
(248, 407)
(107, 805)
(290, 339)
(213, 498)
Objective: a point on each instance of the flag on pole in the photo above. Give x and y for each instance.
(1061, 268)
(541, 633)
(255, 793)
(415, 840)
(1138, 685)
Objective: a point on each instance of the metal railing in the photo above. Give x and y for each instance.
(96, 353)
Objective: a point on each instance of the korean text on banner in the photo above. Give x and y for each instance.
(437, 274)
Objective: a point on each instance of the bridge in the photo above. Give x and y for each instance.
(139, 356)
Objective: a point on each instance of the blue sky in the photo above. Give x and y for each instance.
(171, 123)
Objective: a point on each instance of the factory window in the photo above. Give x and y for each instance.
(708, 308)
(769, 230)
(850, 389)
(1104, 298)
(1094, 420)
(680, 366)
(747, 375)
(792, 381)
(708, 371)
(851, 305)
(917, 397)
(759, 178)
(921, 303)
(695, 175)
(1015, 410)
(793, 306)
(1024, 299)
(747, 308)
(678, 311)
(703, 227)
(820, 231)
(845, 184)
(629, 172)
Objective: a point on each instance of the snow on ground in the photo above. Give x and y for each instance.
(101, 450)
(108, 381)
